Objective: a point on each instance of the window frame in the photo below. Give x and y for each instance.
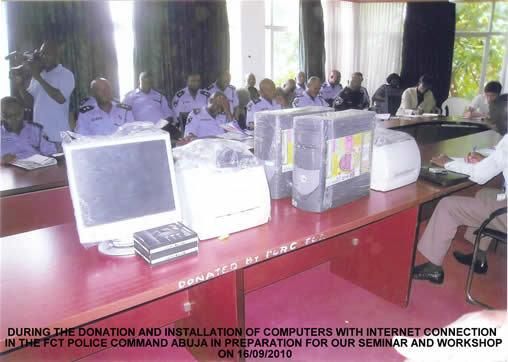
(486, 35)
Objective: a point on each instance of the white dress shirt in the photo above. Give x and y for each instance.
(480, 104)
(487, 168)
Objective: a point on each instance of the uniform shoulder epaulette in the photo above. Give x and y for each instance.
(205, 93)
(180, 93)
(232, 87)
(124, 106)
(210, 87)
(196, 110)
(256, 100)
(84, 100)
(86, 109)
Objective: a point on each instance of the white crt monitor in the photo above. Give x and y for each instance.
(120, 185)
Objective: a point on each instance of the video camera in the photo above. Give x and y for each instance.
(21, 69)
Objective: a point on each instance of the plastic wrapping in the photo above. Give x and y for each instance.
(214, 153)
(222, 186)
(332, 159)
(273, 144)
(395, 160)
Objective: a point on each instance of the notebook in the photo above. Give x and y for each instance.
(34, 162)
(448, 178)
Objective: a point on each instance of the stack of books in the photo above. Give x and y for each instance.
(165, 243)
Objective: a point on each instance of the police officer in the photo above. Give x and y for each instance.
(147, 104)
(331, 88)
(311, 96)
(206, 121)
(250, 84)
(189, 98)
(21, 139)
(100, 114)
(223, 84)
(266, 102)
(353, 96)
(301, 79)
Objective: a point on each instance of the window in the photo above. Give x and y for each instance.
(281, 40)
(480, 33)
(121, 14)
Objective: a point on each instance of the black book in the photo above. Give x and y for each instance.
(164, 237)
(441, 177)
(158, 258)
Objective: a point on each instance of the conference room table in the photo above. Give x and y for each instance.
(49, 280)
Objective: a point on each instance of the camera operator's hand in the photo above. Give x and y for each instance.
(35, 67)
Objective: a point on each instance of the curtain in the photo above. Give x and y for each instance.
(172, 39)
(429, 35)
(365, 38)
(312, 47)
(84, 29)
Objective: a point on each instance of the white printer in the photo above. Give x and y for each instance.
(222, 187)
(395, 160)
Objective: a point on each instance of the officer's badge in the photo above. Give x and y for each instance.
(86, 109)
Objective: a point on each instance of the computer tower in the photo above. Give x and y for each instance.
(332, 159)
(273, 143)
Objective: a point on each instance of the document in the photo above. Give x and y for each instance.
(34, 162)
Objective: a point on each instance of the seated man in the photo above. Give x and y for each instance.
(189, 98)
(311, 96)
(353, 96)
(21, 139)
(480, 105)
(250, 84)
(223, 84)
(331, 89)
(454, 211)
(287, 91)
(206, 121)
(147, 104)
(301, 79)
(382, 93)
(419, 99)
(266, 102)
(100, 114)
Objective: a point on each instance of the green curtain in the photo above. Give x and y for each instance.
(84, 29)
(312, 38)
(173, 38)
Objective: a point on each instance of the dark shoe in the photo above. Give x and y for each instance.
(466, 259)
(426, 272)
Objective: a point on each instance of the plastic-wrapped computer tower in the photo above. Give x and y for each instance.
(273, 144)
(332, 159)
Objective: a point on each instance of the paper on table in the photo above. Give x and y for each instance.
(430, 115)
(33, 162)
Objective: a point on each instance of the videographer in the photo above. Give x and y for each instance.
(49, 91)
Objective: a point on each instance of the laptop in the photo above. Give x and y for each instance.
(443, 178)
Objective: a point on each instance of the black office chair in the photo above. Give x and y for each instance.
(481, 232)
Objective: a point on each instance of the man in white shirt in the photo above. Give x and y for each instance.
(301, 80)
(147, 104)
(49, 92)
(480, 105)
(419, 99)
(311, 96)
(454, 211)
(266, 102)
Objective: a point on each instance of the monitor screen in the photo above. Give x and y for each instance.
(120, 185)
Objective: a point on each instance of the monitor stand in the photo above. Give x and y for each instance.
(117, 247)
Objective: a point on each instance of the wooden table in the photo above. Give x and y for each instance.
(31, 200)
(49, 280)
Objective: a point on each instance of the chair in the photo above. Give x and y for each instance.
(455, 106)
(481, 232)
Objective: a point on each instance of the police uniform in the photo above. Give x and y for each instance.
(351, 99)
(148, 107)
(201, 124)
(28, 142)
(183, 101)
(260, 104)
(305, 100)
(94, 121)
(330, 92)
(230, 93)
(300, 89)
